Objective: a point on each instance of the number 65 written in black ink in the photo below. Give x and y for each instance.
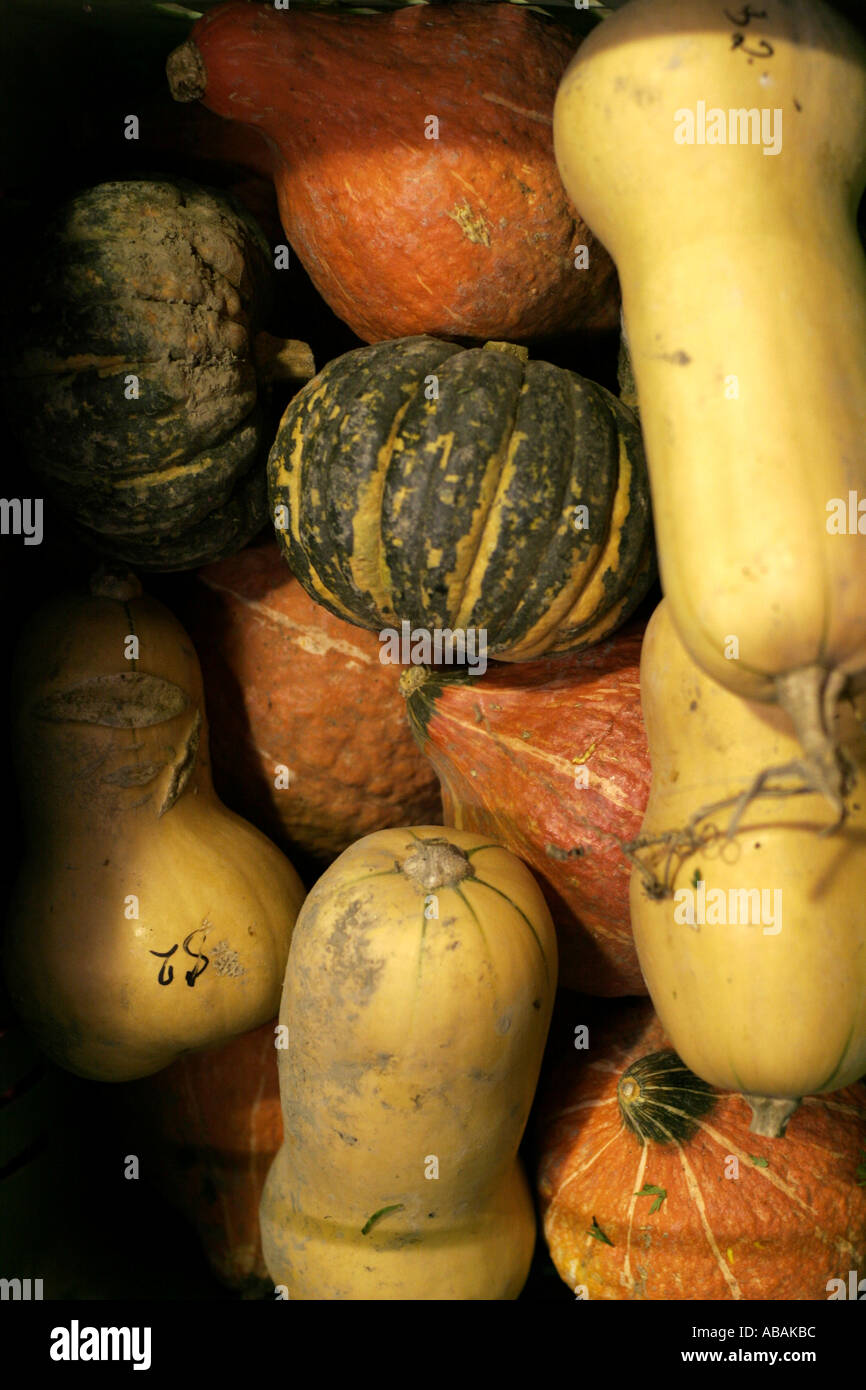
(166, 970)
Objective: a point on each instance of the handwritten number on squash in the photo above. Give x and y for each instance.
(190, 975)
(162, 978)
(742, 20)
(199, 956)
(764, 47)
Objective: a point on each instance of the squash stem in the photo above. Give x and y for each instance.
(411, 679)
(186, 72)
(435, 864)
(770, 1115)
(117, 583)
(282, 359)
(808, 696)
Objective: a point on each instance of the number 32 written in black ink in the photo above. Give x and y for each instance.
(764, 48)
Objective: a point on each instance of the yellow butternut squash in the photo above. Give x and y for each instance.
(719, 152)
(752, 943)
(416, 1004)
(147, 919)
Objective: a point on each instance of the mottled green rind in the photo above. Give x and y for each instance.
(223, 532)
(568, 433)
(167, 282)
(576, 442)
(342, 431)
(169, 502)
(432, 489)
(636, 569)
(80, 424)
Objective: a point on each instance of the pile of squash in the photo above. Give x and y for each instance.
(427, 897)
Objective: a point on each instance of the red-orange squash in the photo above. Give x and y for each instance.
(415, 177)
(206, 1130)
(652, 1186)
(308, 731)
(549, 758)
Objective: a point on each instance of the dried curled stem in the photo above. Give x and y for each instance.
(679, 844)
(809, 697)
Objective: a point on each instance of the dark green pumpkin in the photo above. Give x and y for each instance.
(417, 481)
(135, 384)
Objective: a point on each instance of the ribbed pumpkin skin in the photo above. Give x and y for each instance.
(508, 747)
(468, 235)
(164, 281)
(459, 511)
(780, 1230)
(207, 1129)
(290, 684)
(224, 531)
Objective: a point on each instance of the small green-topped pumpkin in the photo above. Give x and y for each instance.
(417, 481)
(652, 1186)
(135, 389)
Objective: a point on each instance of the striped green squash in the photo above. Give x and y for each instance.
(417, 481)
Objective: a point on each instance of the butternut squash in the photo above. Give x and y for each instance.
(749, 916)
(416, 1005)
(719, 152)
(147, 919)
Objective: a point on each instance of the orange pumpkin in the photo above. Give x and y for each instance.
(207, 1129)
(308, 729)
(652, 1186)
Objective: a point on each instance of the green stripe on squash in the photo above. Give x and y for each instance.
(458, 511)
